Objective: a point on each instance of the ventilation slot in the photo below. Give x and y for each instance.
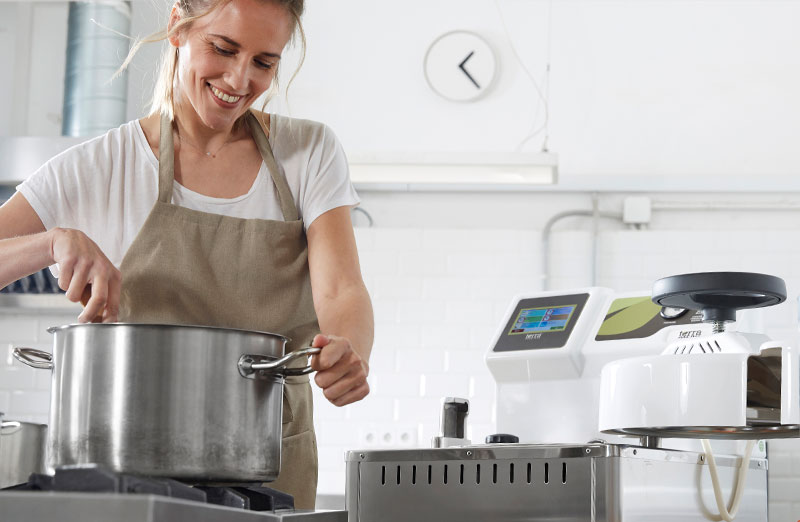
(383, 475)
(546, 473)
(445, 473)
(478, 475)
(461, 475)
(398, 475)
(529, 472)
(414, 474)
(430, 474)
(494, 474)
(718, 346)
(564, 473)
(511, 473)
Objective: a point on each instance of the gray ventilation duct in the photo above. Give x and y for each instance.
(96, 47)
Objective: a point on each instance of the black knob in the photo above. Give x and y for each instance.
(454, 417)
(502, 438)
(719, 294)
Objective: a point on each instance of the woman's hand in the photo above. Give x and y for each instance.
(82, 263)
(341, 372)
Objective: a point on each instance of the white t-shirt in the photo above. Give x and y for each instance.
(107, 186)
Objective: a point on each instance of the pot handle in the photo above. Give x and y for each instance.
(250, 364)
(34, 358)
(10, 427)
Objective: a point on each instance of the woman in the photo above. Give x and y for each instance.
(214, 214)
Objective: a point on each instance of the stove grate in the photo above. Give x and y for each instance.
(248, 496)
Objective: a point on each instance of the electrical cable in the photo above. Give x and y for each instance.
(544, 98)
(728, 515)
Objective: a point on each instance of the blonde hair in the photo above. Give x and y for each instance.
(163, 100)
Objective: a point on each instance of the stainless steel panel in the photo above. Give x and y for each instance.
(588, 483)
(444, 491)
(489, 451)
(100, 507)
(662, 491)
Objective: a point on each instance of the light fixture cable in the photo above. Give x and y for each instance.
(543, 95)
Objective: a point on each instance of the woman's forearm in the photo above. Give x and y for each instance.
(24, 255)
(349, 314)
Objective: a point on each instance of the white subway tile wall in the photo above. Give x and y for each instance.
(24, 391)
(439, 296)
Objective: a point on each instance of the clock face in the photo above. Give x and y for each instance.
(460, 66)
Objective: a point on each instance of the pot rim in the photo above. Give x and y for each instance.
(54, 329)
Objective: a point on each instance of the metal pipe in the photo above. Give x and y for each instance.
(367, 214)
(548, 228)
(96, 47)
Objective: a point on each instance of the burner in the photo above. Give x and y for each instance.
(247, 496)
(254, 498)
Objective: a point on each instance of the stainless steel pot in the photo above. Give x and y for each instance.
(22, 447)
(200, 404)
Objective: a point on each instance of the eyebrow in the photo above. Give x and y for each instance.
(236, 44)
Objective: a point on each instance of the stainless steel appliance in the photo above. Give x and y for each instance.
(22, 450)
(513, 482)
(563, 457)
(94, 494)
(200, 404)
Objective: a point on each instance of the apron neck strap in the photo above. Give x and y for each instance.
(288, 208)
(166, 160)
(166, 165)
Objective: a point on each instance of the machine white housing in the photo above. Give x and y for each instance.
(551, 395)
(700, 388)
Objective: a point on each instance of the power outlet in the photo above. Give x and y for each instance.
(388, 436)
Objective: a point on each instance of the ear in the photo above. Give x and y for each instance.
(174, 17)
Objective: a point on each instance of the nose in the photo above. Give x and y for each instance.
(238, 75)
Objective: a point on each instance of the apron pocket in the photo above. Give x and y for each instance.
(298, 475)
(297, 408)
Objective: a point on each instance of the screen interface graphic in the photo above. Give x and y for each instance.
(542, 320)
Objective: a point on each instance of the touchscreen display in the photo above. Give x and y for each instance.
(537, 323)
(541, 320)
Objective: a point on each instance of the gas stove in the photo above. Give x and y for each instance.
(27, 506)
(94, 494)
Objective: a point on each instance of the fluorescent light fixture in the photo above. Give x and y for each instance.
(454, 170)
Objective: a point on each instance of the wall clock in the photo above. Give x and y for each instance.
(460, 66)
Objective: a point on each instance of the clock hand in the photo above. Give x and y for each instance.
(461, 66)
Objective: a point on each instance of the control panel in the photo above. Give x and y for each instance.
(541, 322)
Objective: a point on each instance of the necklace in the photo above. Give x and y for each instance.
(207, 153)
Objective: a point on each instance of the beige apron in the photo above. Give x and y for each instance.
(192, 267)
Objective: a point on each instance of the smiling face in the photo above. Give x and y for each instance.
(228, 58)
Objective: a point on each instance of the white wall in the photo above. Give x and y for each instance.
(647, 88)
(639, 87)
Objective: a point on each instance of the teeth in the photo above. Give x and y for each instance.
(224, 97)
